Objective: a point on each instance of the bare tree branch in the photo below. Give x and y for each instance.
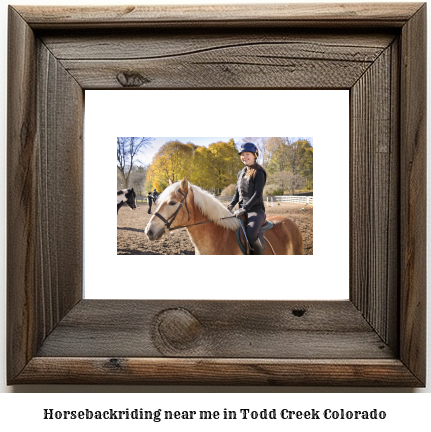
(127, 150)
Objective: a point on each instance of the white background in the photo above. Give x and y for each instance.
(323, 115)
(24, 410)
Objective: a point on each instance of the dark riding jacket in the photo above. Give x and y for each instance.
(249, 192)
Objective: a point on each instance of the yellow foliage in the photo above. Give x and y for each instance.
(212, 168)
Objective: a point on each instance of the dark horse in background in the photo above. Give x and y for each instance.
(126, 196)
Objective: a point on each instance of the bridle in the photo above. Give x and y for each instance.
(168, 222)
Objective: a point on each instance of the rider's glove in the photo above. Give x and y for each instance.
(239, 213)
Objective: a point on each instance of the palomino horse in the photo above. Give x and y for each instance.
(126, 196)
(186, 205)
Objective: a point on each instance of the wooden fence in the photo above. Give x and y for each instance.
(294, 199)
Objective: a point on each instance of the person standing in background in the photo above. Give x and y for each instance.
(150, 199)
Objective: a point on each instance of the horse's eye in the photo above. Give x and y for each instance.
(172, 202)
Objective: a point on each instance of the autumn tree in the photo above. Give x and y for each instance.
(307, 165)
(291, 156)
(202, 170)
(288, 181)
(300, 161)
(225, 164)
(212, 168)
(128, 149)
(228, 190)
(137, 179)
(277, 149)
(172, 162)
(272, 189)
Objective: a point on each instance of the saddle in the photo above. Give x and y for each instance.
(267, 225)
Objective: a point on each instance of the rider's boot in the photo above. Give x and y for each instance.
(257, 247)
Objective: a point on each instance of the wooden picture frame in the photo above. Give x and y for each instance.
(376, 338)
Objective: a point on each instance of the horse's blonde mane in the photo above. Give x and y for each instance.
(213, 209)
(167, 193)
(210, 206)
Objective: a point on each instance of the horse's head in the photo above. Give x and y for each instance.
(131, 198)
(173, 210)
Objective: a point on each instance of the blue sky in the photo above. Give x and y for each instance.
(148, 153)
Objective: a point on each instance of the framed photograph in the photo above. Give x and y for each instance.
(375, 337)
(108, 114)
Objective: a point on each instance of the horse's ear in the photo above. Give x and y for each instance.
(170, 181)
(184, 185)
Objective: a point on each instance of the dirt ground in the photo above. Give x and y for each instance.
(131, 238)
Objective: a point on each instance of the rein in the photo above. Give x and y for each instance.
(198, 223)
(168, 222)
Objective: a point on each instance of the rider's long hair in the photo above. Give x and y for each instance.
(251, 173)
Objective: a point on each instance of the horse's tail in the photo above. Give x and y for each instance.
(285, 236)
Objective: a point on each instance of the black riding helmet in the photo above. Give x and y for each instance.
(249, 147)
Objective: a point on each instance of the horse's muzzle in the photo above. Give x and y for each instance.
(154, 235)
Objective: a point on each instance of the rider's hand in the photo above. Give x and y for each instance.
(239, 213)
(230, 207)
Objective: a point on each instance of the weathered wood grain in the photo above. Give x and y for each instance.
(59, 183)
(21, 155)
(329, 372)
(392, 301)
(373, 218)
(226, 329)
(375, 338)
(139, 45)
(413, 216)
(225, 72)
(375, 15)
(45, 176)
(253, 59)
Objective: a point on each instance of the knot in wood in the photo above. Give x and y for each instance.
(115, 363)
(178, 329)
(131, 79)
(298, 312)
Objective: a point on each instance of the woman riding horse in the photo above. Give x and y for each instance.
(211, 227)
(249, 194)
